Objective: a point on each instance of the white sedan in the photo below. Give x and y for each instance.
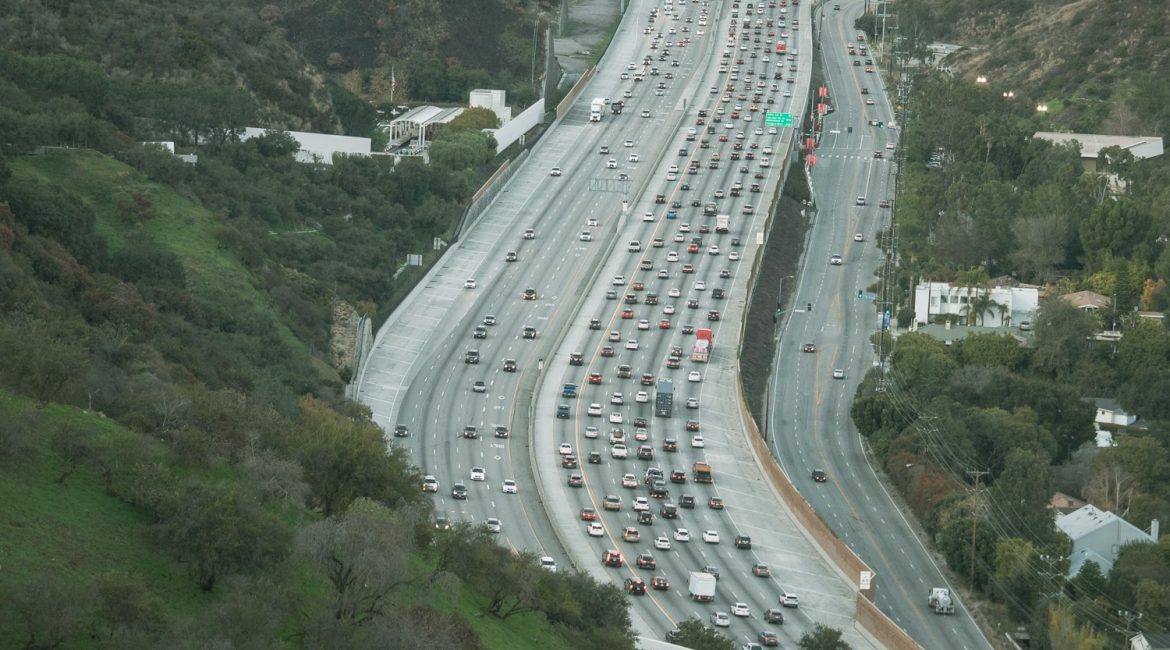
(700, 285)
(594, 410)
(672, 256)
(643, 324)
(617, 398)
(697, 442)
(478, 474)
(682, 535)
(719, 619)
(733, 256)
(509, 487)
(648, 216)
(668, 309)
(632, 344)
(695, 376)
(469, 283)
(741, 609)
(642, 397)
(615, 418)
(595, 529)
(711, 536)
(566, 449)
(662, 543)
(641, 503)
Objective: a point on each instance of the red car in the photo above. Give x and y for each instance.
(692, 425)
(627, 314)
(688, 268)
(588, 514)
(664, 324)
(647, 379)
(595, 377)
(715, 503)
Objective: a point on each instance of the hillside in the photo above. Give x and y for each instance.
(1098, 65)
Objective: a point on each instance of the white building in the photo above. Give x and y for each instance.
(318, 147)
(494, 101)
(933, 299)
(1098, 536)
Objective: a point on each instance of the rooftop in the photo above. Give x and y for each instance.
(1142, 147)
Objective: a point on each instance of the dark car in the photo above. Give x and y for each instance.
(769, 638)
(459, 491)
(646, 561)
(774, 616)
(594, 458)
(819, 476)
(678, 476)
(400, 431)
(669, 511)
(635, 587)
(569, 462)
(809, 347)
(743, 542)
(686, 501)
(501, 431)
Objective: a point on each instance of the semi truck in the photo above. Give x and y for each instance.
(704, 339)
(940, 601)
(702, 587)
(664, 398)
(723, 224)
(596, 108)
(701, 472)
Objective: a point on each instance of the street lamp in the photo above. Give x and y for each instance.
(1041, 108)
(1009, 94)
(981, 79)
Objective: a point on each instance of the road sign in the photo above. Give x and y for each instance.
(778, 119)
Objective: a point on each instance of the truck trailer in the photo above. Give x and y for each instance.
(702, 587)
(723, 224)
(596, 108)
(664, 398)
(704, 339)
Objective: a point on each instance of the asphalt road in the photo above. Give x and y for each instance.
(418, 377)
(809, 423)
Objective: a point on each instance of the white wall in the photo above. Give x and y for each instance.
(518, 126)
(935, 298)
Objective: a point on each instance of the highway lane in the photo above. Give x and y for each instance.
(439, 402)
(810, 424)
(751, 509)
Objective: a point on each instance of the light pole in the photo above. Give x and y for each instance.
(780, 300)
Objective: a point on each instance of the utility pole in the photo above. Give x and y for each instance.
(975, 474)
(1130, 619)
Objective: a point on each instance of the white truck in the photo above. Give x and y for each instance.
(596, 107)
(702, 587)
(940, 601)
(723, 224)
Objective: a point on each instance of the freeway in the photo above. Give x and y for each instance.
(619, 343)
(582, 220)
(809, 423)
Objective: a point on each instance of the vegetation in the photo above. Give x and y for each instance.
(979, 435)
(179, 465)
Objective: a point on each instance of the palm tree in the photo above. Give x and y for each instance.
(980, 305)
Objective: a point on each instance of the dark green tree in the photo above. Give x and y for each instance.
(693, 633)
(822, 637)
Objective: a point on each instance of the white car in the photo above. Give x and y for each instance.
(594, 410)
(674, 293)
(611, 163)
(548, 563)
(592, 432)
(630, 481)
(586, 235)
(478, 474)
(645, 113)
(741, 609)
(682, 535)
(858, 236)
(684, 227)
(555, 171)
(617, 398)
(695, 376)
(712, 250)
(633, 157)
(509, 486)
(648, 216)
(632, 344)
(493, 525)
(591, 222)
(642, 397)
(619, 451)
(697, 442)
(628, 143)
(838, 373)
(566, 449)
(668, 310)
(672, 256)
(595, 529)
(692, 402)
(733, 256)
(678, 238)
(469, 283)
(663, 274)
(643, 324)
(720, 619)
(641, 503)
(711, 536)
(615, 418)
(619, 280)
(789, 599)
(700, 285)
(662, 543)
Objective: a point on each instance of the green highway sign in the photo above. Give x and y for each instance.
(778, 119)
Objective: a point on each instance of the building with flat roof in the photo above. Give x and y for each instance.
(1091, 144)
(1009, 304)
(317, 147)
(411, 132)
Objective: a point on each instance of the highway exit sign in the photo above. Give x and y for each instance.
(778, 119)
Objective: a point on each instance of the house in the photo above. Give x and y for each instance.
(1091, 144)
(1150, 641)
(1110, 413)
(1064, 504)
(1098, 536)
(1008, 304)
(1087, 300)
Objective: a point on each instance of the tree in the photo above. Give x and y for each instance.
(1061, 335)
(989, 350)
(1015, 582)
(363, 554)
(1020, 497)
(1115, 228)
(126, 606)
(1065, 632)
(1145, 346)
(218, 530)
(692, 633)
(822, 637)
(924, 364)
